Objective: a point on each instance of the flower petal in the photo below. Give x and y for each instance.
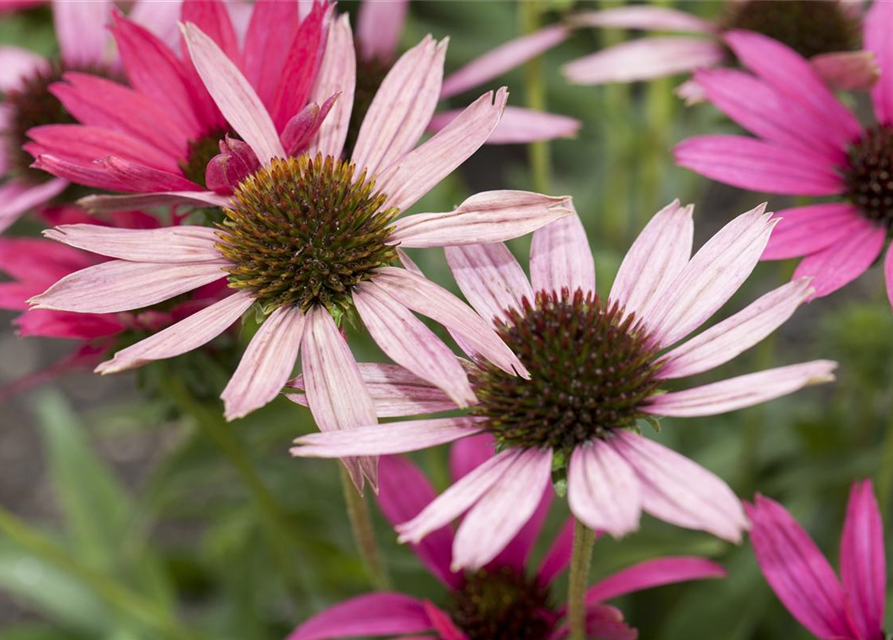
(379, 25)
(847, 70)
(80, 31)
(603, 491)
(271, 32)
(519, 125)
(560, 258)
(646, 18)
(468, 454)
(109, 204)
(172, 244)
(17, 198)
(877, 40)
(653, 573)
(376, 614)
(810, 229)
(489, 277)
(16, 64)
(337, 75)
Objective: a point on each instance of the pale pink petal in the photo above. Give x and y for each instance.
(81, 31)
(646, 18)
(109, 204)
(558, 557)
(500, 513)
(517, 552)
(337, 75)
(645, 59)
(17, 198)
(797, 571)
(653, 573)
(378, 614)
(385, 439)
(17, 64)
(863, 565)
(172, 244)
(489, 277)
(468, 454)
(603, 491)
(842, 262)
(678, 491)
(188, 334)
(711, 277)
(877, 40)
(402, 107)
(416, 173)
(888, 274)
(741, 391)
(424, 297)
(734, 335)
(503, 58)
(490, 216)
(266, 365)
(805, 230)
(658, 255)
(847, 70)
(119, 285)
(408, 342)
(233, 95)
(519, 126)
(690, 92)
(379, 25)
(560, 258)
(158, 17)
(758, 166)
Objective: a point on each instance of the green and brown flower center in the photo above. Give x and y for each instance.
(809, 27)
(502, 604)
(305, 231)
(199, 154)
(590, 372)
(370, 74)
(868, 174)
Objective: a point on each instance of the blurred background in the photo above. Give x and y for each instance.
(175, 535)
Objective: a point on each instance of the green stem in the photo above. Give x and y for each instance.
(364, 533)
(581, 558)
(884, 477)
(118, 596)
(539, 153)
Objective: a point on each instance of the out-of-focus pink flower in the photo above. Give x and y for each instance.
(807, 144)
(311, 239)
(9, 6)
(503, 600)
(595, 365)
(804, 581)
(827, 32)
(379, 26)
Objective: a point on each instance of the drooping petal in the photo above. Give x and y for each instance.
(80, 31)
(17, 198)
(377, 614)
(741, 391)
(560, 257)
(172, 244)
(653, 573)
(678, 491)
(379, 25)
(110, 204)
(490, 216)
(847, 70)
(489, 277)
(810, 229)
(877, 40)
(519, 125)
(337, 75)
(603, 491)
(647, 18)
(182, 337)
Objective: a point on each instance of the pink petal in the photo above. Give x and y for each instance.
(741, 391)
(80, 31)
(212, 19)
(378, 614)
(303, 127)
(379, 25)
(656, 258)
(490, 216)
(39, 261)
(402, 107)
(424, 297)
(141, 178)
(603, 491)
(405, 491)
(158, 17)
(877, 40)
(337, 75)
(796, 570)
(271, 32)
(517, 552)
(863, 565)
(842, 262)
(559, 555)
(188, 334)
(734, 335)
(653, 573)
(266, 365)
(65, 325)
(443, 625)
(502, 511)
(17, 64)
(489, 277)
(468, 454)
(805, 230)
(503, 58)
(602, 622)
(233, 95)
(645, 59)
(758, 166)
(416, 173)
(108, 204)
(519, 126)
(119, 285)
(678, 491)
(173, 244)
(408, 342)
(645, 18)
(560, 257)
(80, 172)
(17, 198)
(712, 276)
(847, 70)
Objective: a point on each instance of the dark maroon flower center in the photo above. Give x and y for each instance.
(590, 372)
(868, 174)
(809, 27)
(502, 604)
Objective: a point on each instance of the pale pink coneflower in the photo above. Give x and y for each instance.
(311, 239)
(804, 581)
(504, 600)
(807, 144)
(827, 32)
(596, 367)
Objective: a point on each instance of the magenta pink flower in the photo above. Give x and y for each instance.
(379, 26)
(525, 606)
(808, 144)
(596, 366)
(825, 32)
(804, 581)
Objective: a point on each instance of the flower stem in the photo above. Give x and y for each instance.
(581, 558)
(885, 473)
(364, 533)
(539, 154)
